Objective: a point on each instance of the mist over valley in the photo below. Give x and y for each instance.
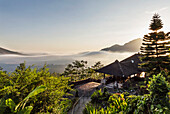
(57, 63)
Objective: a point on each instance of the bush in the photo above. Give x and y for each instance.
(159, 88)
(99, 97)
(22, 81)
(20, 107)
(157, 102)
(118, 103)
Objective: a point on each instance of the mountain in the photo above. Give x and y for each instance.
(92, 53)
(132, 46)
(5, 51)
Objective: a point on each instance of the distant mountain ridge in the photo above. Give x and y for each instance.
(131, 46)
(5, 51)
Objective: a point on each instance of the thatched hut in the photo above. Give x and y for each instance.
(124, 69)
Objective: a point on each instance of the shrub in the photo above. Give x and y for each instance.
(96, 96)
(22, 81)
(159, 88)
(20, 107)
(157, 102)
(117, 103)
(99, 97)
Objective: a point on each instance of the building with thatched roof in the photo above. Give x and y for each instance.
(124, 68)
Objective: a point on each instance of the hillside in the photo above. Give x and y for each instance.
(132, 46)
(5, 51)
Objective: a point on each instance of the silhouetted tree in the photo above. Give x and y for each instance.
(155, 48)
(77, 69)
(97, 65)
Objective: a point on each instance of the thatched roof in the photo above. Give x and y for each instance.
(123, 68)
(131, 64)
(112, 69)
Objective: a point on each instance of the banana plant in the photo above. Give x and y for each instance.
(20, 107)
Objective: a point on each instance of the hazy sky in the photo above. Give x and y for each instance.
(71, 26)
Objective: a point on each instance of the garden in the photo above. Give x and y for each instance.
(156, 102)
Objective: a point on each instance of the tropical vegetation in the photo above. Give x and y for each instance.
(156, 102)
(31, 90)
(78, 70)
(14, 88)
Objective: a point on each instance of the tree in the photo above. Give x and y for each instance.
(97, 65)
(155, 48)
(77, 70)
(18, 84)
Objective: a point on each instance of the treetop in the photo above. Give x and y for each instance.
(156, 23)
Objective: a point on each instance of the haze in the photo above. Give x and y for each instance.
(72, 26)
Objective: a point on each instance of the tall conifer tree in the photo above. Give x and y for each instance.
(155, 48)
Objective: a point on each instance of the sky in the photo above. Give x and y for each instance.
(73, 26)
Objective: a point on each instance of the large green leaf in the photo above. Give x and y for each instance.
(36, 91)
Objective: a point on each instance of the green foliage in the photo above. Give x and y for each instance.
(78, 70)
(95, 96)
(142, 105)
(157, 102)
(36, 91)
(97, 65)
(20, 107)
(159, 88)
(11, 104)
(99, 97)
(126, 93)
(2, 105)
(118, 103)
(132, 101)
(115, 104)
(26, 110)
(89, 109)
(22, 81)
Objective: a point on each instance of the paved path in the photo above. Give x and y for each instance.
(80, 105)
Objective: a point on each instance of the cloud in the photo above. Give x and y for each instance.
(157, 11)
